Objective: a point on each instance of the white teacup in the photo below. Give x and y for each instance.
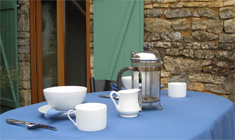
(177, 89)
(127, 82)
(90, 116)
(128, 105)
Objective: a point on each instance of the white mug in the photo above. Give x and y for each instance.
(128, 105)
(177, 89)
(90, 116)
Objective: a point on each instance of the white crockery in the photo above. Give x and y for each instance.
(64, 98)
(128, 105)
(127, 81)
(177, 89)
(90, 116)
(45, 108)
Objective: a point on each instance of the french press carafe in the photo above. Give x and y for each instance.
(146, 74)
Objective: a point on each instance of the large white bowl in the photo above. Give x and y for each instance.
(126, 80)
(65, 98)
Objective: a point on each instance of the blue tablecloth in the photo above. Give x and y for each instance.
(198, 116)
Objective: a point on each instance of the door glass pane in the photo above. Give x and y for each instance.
(49, 43)
(75, 46)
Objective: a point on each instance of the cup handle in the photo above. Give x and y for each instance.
(68, 114)
(111, 96)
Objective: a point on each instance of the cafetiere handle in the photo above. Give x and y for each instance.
(119, 77)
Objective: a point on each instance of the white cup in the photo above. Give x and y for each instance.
(177, 89)
(127, 81)
(90, 116)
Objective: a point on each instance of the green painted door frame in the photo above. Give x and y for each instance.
(9, 89)
(118, 30)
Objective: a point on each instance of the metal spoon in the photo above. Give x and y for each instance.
(107, 96)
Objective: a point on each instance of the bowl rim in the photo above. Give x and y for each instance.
(58, 89)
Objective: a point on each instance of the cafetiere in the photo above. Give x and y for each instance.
(146, 75)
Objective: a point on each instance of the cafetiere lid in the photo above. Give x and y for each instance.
(144, 56)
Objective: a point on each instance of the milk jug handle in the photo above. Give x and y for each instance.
(119, 77)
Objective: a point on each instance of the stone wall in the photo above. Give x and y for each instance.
(196, 40)
(24, 52)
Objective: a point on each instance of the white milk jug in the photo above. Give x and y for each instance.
(128, 105)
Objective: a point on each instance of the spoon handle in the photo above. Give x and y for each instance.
(107, 96)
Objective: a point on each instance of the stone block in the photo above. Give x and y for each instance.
(165, 74)
(24, 9)
(206, 62)
(23, 57)
(204, 54)
(188, 39)
(177, 13)
(160, 5)
(227, 55)
(187, 52)
(206, 12)
(209, 45)
(227, 12)
(22, 1)
(178, 45)
(147, 1)
(157, 25)
(161, 44)
(154, 13)
(193, 45)
(153, 37)
(177, 5)
(226, 46)
(24, 71)
(207, 78)
(25, 97)
(91, 37)
(24, 84)
(219, 68)
(23, 35)
(179, 64)
(196, 87)
(172, 51)
(23, 23)
(164, 81)
(150, 44)
(199, 24)
(230, 2)
(23, 41)
(227, 38)
(92, 8)
(215, 26)
(171, 36)
(149, 6)
(229, 26)
(24, 49)
(168, 1)
(180, 77)
(181, 24)
(195, 4)
(215, 4)
(217, 88)
(92, 72)
(204, 36)
(92, 59)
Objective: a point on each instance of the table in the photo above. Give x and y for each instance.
(198, 116)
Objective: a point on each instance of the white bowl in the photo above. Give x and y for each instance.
(126, 80)
(65, 98)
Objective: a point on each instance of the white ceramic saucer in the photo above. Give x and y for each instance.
(45, 108)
